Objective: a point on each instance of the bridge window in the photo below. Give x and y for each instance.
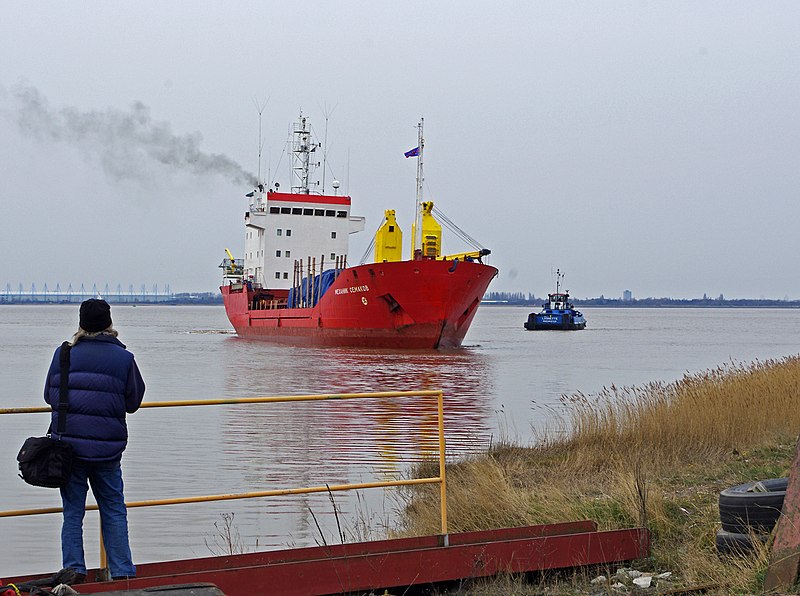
(333, 256)
(285, 275)
(277, 275)
(333, 234)
(277, 253)
(297, 211)
(280, 232)
(341, 214)
(330, 213)
(319, 212)
(288, 232)
(286, 210)
(274, 210)
(308, 212)
(287, 254)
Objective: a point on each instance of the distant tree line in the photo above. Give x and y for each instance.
(689, 302)
(523, 299)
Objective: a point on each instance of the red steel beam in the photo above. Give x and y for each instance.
(171, 568)
(412, 566)
(358, 548)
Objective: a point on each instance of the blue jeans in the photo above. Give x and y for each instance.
(106, 481)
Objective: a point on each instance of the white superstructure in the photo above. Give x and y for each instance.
(282, 228)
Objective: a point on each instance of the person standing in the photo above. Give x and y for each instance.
(104, 385)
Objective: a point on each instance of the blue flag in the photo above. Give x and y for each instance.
(412, 153)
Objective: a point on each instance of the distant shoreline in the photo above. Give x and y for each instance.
(602, 301)
(732, 304)
(523, 299)
(181, 299)
(112, 302)
(776, 304)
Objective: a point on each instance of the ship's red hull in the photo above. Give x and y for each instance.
(409, 304)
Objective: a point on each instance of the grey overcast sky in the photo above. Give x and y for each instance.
(650, 146)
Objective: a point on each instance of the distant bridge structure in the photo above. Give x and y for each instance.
(70, 295)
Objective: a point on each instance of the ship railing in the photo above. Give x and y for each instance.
(438, 395)
(269, 304)
(232, 267)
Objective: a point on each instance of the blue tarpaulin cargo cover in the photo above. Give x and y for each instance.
(321, 283)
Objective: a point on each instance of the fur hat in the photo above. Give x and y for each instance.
(95, 315)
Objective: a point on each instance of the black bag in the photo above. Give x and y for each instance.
(45, 461)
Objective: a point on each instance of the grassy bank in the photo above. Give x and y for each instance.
(655, 455)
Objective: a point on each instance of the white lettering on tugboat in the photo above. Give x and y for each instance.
(351, 290)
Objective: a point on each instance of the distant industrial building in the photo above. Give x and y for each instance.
(70, 295)
(627, 296)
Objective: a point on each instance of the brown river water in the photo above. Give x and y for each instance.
(505, 383)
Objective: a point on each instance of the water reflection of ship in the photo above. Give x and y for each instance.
(399, 428)
(311, 443)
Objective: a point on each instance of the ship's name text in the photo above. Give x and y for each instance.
(352, 290)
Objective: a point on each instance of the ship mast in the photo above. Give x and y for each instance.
(420, 180)
(302, 148)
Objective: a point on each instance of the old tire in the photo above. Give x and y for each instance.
(733, 543)
(743, 510)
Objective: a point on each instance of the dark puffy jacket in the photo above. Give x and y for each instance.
(104, 384)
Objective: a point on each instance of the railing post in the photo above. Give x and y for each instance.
(443, 481)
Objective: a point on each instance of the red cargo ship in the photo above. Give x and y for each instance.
(294, 285)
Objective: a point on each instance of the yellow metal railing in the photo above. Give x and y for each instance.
(441, 480)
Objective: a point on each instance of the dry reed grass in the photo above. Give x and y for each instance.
(699, 417)
(655, 455)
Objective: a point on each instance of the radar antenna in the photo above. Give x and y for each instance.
(328, 113)
(260, 110)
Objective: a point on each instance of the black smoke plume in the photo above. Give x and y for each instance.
(127, 143)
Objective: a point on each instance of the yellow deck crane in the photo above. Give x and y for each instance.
(230, 267)
(388, 240)
(432, 238)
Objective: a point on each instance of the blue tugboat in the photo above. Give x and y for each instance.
(557, 313)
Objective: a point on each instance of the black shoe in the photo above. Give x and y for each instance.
(69, 576)
(65, 576)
